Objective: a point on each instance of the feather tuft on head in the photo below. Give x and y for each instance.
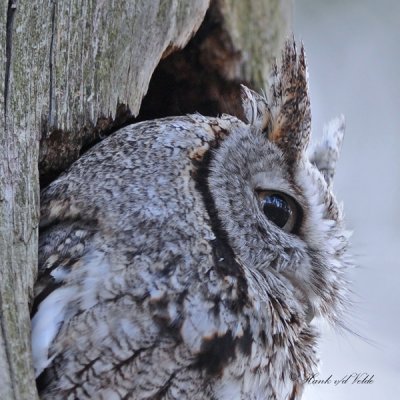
(325, 154)
(284, 114)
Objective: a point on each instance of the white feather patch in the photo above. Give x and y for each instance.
(46, 324)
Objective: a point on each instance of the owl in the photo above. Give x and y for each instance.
(192, 257)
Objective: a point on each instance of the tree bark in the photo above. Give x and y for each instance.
(73, 71)
(19, 199)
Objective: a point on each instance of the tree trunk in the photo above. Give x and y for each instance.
(74, 71)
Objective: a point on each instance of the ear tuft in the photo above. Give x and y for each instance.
(326, 153)
(284, 115)
(290, 104)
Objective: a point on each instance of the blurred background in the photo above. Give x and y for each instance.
(353, 54)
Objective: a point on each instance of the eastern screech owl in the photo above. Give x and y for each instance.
(187, 257)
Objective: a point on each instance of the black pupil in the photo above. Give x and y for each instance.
(276, 209)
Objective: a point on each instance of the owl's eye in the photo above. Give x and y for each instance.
(279, 208)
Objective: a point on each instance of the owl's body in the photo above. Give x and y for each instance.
(161, 275)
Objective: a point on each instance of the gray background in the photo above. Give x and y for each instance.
(353, 54)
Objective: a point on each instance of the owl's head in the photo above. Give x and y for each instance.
(273, 197)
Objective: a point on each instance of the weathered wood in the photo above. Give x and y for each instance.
(72, 71)
(20, 82)
(103, 53)
(235, 44)
(258, 29)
